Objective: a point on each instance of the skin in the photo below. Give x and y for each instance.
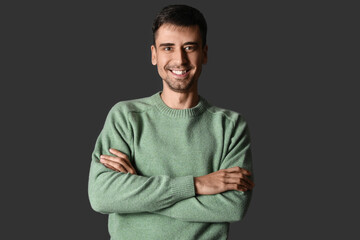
(120, 162)
(181, 49)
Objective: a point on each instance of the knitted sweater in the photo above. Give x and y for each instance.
(168, 148)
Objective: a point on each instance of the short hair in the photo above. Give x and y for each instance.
(180, 15)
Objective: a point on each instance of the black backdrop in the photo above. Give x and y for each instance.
(289, 68)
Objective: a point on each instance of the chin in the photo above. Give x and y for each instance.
(181, 89)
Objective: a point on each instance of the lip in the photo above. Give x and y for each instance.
(180, 75)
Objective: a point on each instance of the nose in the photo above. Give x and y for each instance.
(180, 56)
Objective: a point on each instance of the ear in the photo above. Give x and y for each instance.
(153, 55)
(205, 56)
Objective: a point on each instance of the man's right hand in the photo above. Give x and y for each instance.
(120, 163)
(234, 178)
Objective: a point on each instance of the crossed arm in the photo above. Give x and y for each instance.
(115, 186)
(234, 178)
(214, 195)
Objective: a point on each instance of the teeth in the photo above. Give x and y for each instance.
(179, 72)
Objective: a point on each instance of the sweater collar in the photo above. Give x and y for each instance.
(183, 113)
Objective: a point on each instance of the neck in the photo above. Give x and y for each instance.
(179, 100)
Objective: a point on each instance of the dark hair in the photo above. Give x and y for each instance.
(180, 15)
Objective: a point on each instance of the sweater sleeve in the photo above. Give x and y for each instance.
(117, 192)
(229, 206)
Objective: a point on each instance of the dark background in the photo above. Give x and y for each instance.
(290, 68)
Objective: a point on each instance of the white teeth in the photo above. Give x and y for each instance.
(179, 72)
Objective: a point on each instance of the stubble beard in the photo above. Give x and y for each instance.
(180, 86)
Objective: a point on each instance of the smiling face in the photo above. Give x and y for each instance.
(179, 56)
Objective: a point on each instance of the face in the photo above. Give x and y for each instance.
(179, 56)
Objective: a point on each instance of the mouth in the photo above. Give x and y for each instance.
(180, 73)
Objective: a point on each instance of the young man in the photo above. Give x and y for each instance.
(172, 166)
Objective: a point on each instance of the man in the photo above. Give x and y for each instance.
(172, 166)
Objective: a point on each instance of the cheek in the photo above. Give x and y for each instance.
(161, 60)
(196, 59)
(198, 62)
(161, 68)
(164, 63)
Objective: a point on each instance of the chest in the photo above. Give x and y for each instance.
(176, 148)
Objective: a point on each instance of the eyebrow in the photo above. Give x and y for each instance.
(191, 43)
(166, 44)
(172, 44)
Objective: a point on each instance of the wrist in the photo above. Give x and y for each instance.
(197, 185)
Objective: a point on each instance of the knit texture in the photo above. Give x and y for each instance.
(168, 148)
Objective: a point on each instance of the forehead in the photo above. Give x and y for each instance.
(169, 33)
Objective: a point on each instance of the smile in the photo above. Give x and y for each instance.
(180, 73)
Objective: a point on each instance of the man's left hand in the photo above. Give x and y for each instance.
(120, 163)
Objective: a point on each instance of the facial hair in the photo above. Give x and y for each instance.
(179, 85)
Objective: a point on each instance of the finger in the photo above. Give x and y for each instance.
(110, 167)
(121, 161)
(118, 153)
(243, 189)
(231, 186)
(240, 182)
(133, 172)
(115, 165)
(236, 176)
(238, 169)
(236, 187)
(246, 172)
(247, 180)
(119, 170)
(111, 158)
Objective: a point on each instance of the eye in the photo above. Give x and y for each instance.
(167, 48)
(190, 48)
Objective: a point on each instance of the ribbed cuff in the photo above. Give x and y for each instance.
(182, 187)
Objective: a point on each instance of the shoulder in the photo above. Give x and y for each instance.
(227, 115)
(233, 123)
(120, 112)
(135, 105)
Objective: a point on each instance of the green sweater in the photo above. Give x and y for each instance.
(168, 148)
